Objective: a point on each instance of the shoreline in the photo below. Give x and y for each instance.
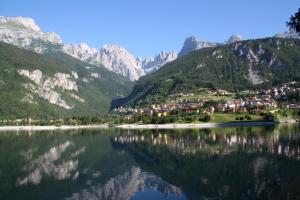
(191, 126)
(51, 128)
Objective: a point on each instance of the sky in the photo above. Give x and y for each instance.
(147, 27)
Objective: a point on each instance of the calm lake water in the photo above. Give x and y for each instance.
(222, 163)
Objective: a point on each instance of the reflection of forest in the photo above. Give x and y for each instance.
(230, 163)
(221, 141)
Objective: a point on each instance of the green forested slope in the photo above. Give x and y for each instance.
(97, 92)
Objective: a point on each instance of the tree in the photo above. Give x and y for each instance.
(294, 23)
(206, 118)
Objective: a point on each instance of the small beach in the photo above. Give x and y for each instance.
(190, 126)
(50, 128)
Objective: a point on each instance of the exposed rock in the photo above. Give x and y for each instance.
(29, 99)
(288, 34)
(82, 52)
(254, 77)
(152, 64)
(192, 44)
(95, 75)
(50, 95)
(234, 38)
(118, 59)
(61, 80)
(24, 33)
(74, 96)
(44, 86)
(113, 57)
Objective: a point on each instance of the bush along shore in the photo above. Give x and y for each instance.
(143, 121)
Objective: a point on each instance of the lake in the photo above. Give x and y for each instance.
(114, 164)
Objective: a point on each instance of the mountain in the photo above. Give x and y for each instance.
(24, 33)
(113, 57)
(54, 84)
(119, 60)
(152, 64)
(192, 43)
(288, 34)
(234, 38)
(238, 66)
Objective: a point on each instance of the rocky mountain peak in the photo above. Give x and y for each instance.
(81, 51)
(288, 34)
(192, 43)
(23, 22)
(24, 33)
(154, 63)
(234, 38)
(117, 58)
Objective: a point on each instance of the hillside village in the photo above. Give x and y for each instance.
(276, 99)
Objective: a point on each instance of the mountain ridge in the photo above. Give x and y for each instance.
(244, 65)
(54, 85)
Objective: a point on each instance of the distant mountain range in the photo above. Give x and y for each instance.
(24, 33)
(40, 76)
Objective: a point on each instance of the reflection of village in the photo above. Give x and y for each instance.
(256, 102)
(220, 144)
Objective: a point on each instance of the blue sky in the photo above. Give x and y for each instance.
(146, 27)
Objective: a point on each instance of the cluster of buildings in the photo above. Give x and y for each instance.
(282, 92)
(189, 103)
(200, 106)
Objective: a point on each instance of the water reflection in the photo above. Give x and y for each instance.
(222, 163)
(44, 165)
(126, 185)
(220, 141)
(227, 163)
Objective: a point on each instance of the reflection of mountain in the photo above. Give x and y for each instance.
(227, 163)
(124, 186)
(45, 165)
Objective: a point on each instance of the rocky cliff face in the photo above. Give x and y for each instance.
(118, 59)
(113, 57)
(234, 38)
(24, 33)
(154, 63)
(46, 87)
(288, 34)
(192, 44)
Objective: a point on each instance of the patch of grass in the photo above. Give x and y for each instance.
(232, 117)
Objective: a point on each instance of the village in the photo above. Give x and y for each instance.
(221, 101)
